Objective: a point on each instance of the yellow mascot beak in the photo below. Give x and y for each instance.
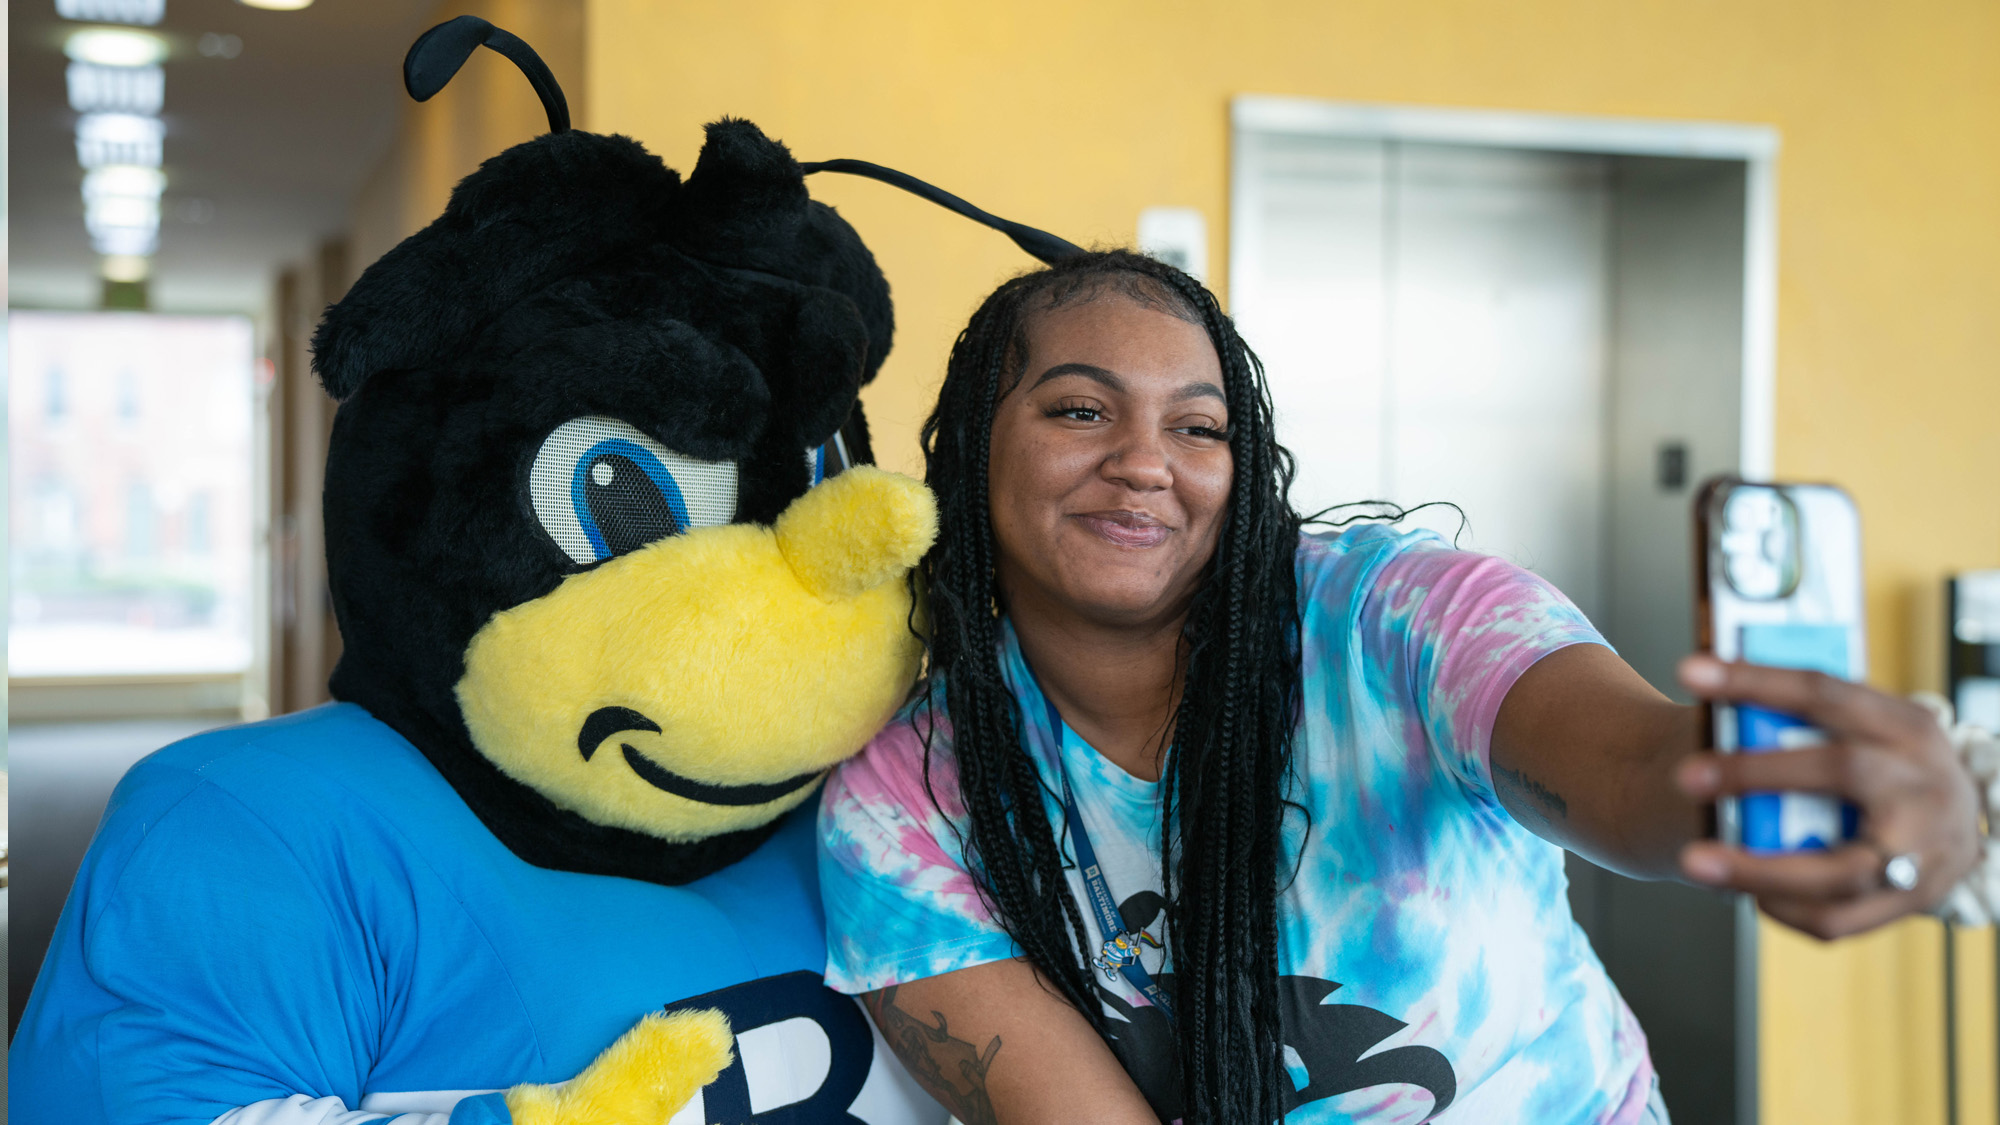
(702, 683)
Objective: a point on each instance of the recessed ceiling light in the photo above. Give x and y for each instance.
(147, 12)
(124, 180)
(115, 46)
(277, 5)
(116, 89)
(123, 225)
(125, 267)
(118, 138)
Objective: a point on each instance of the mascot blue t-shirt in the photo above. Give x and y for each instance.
(617, 585)
(302, 916)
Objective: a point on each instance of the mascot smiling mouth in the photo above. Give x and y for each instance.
(607, 721)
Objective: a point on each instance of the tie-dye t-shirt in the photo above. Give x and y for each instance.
(1430, 966)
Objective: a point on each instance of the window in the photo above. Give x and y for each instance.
(130, 546)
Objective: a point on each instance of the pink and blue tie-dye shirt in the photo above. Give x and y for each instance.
(1430, 965)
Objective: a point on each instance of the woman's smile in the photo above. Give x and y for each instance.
(1135, 530)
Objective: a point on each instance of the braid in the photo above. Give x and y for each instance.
(1225, 773)
(1008, 837)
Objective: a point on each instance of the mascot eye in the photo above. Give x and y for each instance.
(601, 488)
(829, 460)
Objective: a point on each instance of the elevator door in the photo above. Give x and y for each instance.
(1433, 320)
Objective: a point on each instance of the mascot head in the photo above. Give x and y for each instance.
(603, 537)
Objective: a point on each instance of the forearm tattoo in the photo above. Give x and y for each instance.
(949, 1068)
(1548, 800)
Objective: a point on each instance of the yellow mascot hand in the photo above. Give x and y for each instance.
(642, 1079)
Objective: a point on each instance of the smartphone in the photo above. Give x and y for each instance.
(1778, 582)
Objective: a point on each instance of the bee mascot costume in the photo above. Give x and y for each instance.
(617, 587)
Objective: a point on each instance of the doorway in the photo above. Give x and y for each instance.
(1559, 326)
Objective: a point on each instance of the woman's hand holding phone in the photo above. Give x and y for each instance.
(1886, 755)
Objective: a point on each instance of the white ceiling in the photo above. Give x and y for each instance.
(264, 151)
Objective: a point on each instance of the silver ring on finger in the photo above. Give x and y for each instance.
(1901, 872)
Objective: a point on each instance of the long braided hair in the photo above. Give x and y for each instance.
(1226, 770)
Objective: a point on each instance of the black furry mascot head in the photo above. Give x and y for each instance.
(602, 537)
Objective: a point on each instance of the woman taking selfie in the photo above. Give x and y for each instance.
(1201, 818)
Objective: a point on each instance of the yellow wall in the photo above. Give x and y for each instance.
(1073, 116)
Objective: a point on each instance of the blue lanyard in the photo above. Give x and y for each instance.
(1120, 951)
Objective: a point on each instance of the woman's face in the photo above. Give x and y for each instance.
(1110, 464)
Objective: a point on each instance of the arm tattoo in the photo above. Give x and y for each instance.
(1521, 783)
(950, 1069)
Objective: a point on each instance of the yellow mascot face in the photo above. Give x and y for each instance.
(704, 682)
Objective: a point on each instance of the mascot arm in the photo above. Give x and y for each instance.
(642, 1079)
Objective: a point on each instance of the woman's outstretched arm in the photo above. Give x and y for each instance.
(995, 1045)
(1588, 755)
(1584, 753)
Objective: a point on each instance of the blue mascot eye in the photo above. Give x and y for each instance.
(624, 498)
(600, 488)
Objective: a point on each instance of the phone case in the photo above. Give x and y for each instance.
(1778, 582)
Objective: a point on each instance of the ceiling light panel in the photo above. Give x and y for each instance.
(118, 138)
(115, 46)
(128, 268)
(123, 226)
(124, 180)
(122, 213)
(147, 12)
(116, 89)
(277, 5)
(121, 209)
